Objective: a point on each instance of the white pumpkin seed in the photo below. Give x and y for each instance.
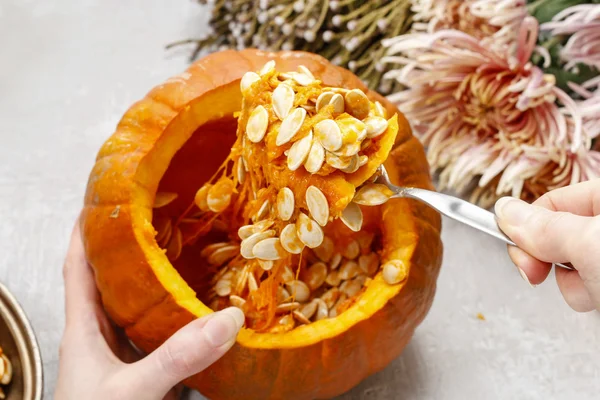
(337, 101)
(353, 167)
(248, 80)
(164, 198)
(353, 130)
(242, 279)
(286, 307)
(266, 265)
(325, 250)
(247, 245)
(351, 250)
(333, 312)
(201, 197)
(333, 278)
(336, 260)
(299, 152)
(268, 67)
(287, 275)
(323, 100)
(328, 133)
(316, 158)
(304, 70)
(252, 284)
(372, 194)
(245, 231)
(379, 110)
(368, 263)
(240, 172)
(350, 288)
(299, 290)
(331, 296)
(375, 126)
(262, 211)
(284, 324)
(394, 271)
(268, 249)
(352, 217)
(309, 231)
(308, 310)
(348, 270)
(282, 295)
(302, 79)
(317, 205)
(285, 203)
(211, 248)
(223, 254)
(290, 126)
(315, 275)
(223, 288)
(300, 317)
(348, 151)
(322, 310)
(362, 160)
(257, 125)
(357, 104)
(336, 161)
(283, 100)
(236, 301)
(290, 241)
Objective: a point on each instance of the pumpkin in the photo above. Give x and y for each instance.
(171, 143)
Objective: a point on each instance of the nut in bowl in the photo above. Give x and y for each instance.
(253, 187)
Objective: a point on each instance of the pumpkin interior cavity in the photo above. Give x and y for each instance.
(260, 220)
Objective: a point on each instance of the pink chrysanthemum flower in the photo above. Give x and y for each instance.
(489, 114)
(582, 22)
(494, 21)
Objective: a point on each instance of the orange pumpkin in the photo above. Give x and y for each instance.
(174, 140)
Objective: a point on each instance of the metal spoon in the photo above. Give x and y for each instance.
(453, 207)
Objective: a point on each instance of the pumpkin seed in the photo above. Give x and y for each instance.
(336, 259)
(284, 324)
(219, 195)
(175, 245)
(262, 211)
(353, 131)
(290, 126)
(283, 100)
(282, 295)
(350, 288)
(223, 287)
(257, 125)
(361, 280)
(375, 126)
(211, 248)
(336, 161)
(309, 231)
(287, 274)
(285, 203)
(269, 249)
(365, 240)
(331, 296)
(237, 301)
(357, 104)
(290, 241)
(348, 270)
(242, 279)
(394, 271)
(333, 278)
(252, 284)
(299, 152)
(372, 194)
(268, 67)
(163, 230)
(362, 160)
(245, 231)
(300, 317)
(285, 307)
(247, 245)
(299, 290)
(201, 197)
(240, 171)
(325, 250)
(328, 133)
(304, 70)
(317, 205)
(348, 151)
(248, 80)
(353, 167)
(333, 312)
(223, 254)
(316, 157)
(368, 263)
(380, 110)
(322, 310)
(351, 250)
(266, 265)
(337, 101)
(324, 99)
(302, 79)
(164, 198)
(309, 309)
(352, 217)
(315, 275)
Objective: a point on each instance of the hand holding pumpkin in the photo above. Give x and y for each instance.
(97, 361)
(563, 225)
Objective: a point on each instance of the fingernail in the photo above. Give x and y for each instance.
(223, 326)
(525, 278)
(513, 211)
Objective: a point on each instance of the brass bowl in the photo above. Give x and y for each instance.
(20, 345)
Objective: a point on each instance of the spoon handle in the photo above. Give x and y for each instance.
(463, 211)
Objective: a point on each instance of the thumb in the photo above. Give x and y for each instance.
(190, 350)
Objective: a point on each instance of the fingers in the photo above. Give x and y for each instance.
(81, 295)
(574, 291)
(581, 199)
(531, 269)
(192, 349)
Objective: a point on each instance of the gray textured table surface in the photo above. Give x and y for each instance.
(69, 69)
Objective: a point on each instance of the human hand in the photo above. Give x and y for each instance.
(98, 362)
(561, 226)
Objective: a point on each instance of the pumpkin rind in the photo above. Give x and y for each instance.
(143, 293)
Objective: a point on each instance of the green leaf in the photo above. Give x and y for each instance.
(562, 77)
(544, 10)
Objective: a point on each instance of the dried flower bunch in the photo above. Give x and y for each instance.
(304, 161)
(347, 32)
(500, 99)
(6, 372)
